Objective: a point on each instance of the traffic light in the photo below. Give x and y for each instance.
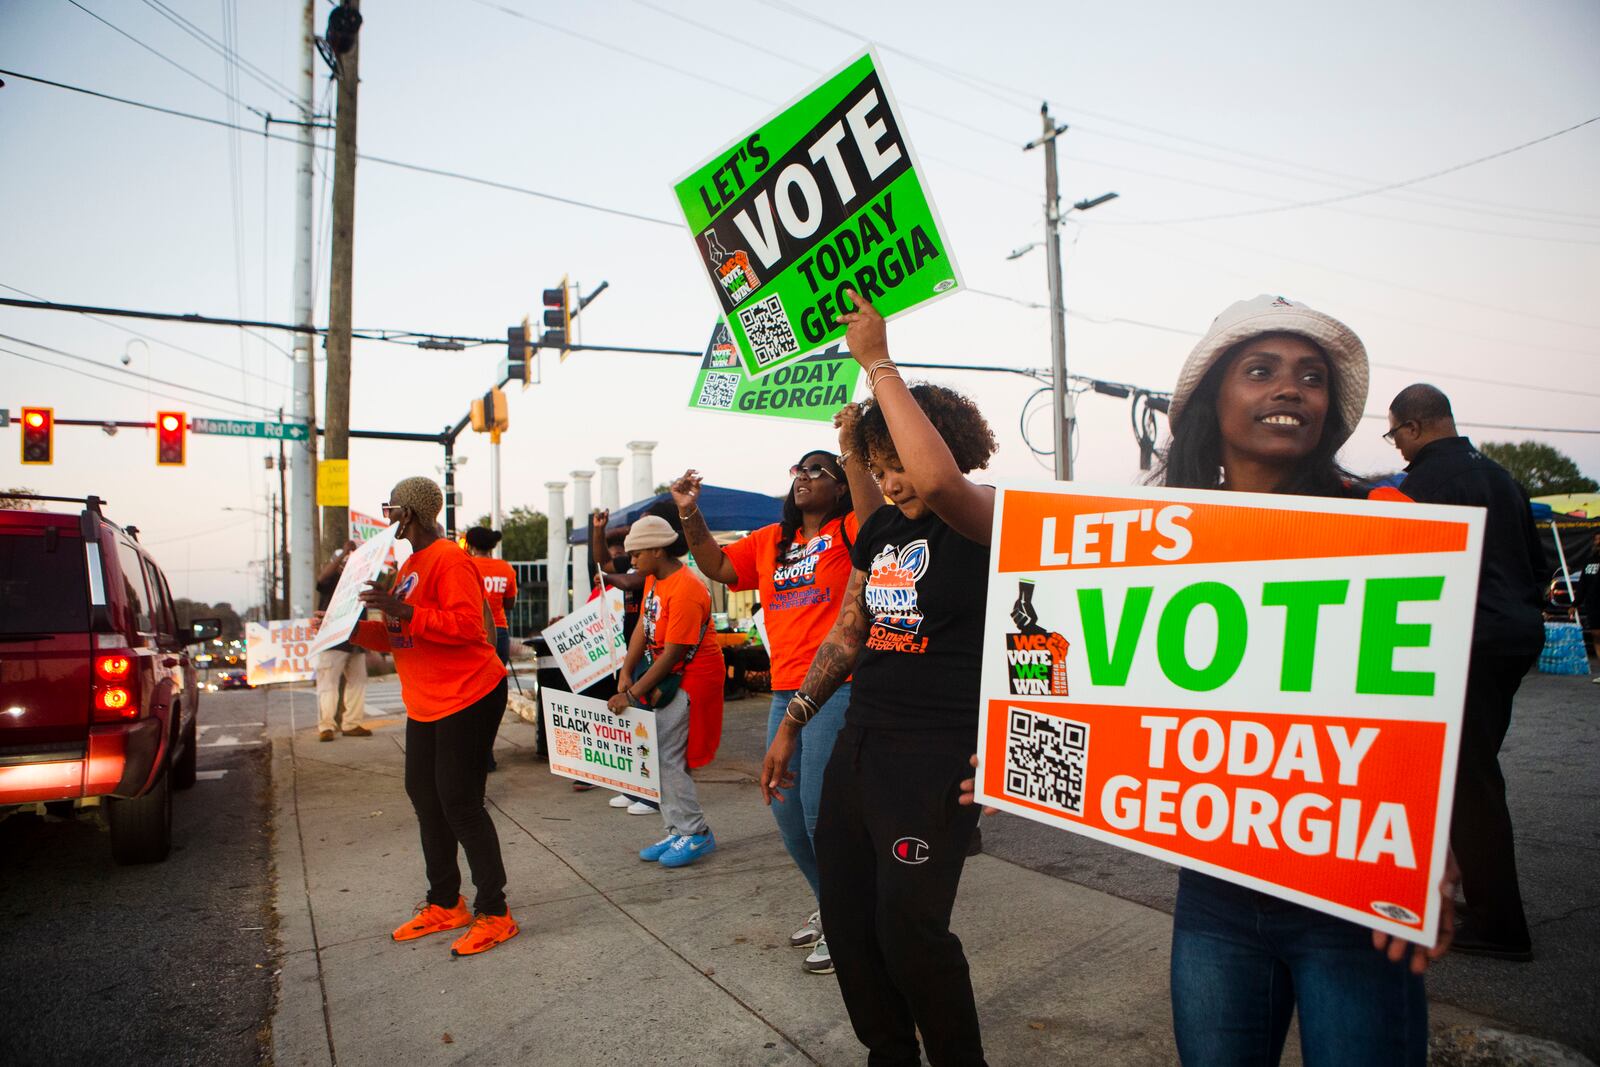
(38, 435)
(489, 412)
(171, 428)
(557, 317)
(519, 352)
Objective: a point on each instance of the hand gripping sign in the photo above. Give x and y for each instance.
(825, 194)
(1267, 689)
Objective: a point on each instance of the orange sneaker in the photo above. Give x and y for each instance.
(487, 932)
(432, 919)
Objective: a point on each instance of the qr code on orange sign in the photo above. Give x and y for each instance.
(568, 744)
(1045, 759)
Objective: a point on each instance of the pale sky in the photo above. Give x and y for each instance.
(1482, 281)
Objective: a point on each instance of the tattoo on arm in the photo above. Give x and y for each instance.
(841, 649)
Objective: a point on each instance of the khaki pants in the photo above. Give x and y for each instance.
(331, 667)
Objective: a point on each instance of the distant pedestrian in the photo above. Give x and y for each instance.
(499, 589)
(1444, 468)
(674, 632)
(437, 624)
(344, 666)
(800, 566)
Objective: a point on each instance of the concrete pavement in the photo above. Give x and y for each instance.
(625, 962)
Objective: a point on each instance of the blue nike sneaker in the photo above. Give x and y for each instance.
(689, 848)
(651, 853)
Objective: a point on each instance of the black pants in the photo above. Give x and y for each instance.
(446, 764)
(891, 841)
(1480, 831)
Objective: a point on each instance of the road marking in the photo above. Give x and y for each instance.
(209, 776)
(227, 741)
(230, 726)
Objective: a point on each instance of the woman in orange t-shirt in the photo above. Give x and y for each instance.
(674, 633)
(437, 625)
(800, 566)
(499, 583)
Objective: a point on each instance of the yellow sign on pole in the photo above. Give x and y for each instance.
(333, 483)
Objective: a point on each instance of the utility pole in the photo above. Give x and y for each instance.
(1064, 416)
(336, 409)
(494, 483)
(303, 506)
(283, 533)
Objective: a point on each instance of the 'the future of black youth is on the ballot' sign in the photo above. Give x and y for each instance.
(825, 195)
(1264, 688)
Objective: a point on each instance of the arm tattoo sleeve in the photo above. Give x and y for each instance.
(836, 658)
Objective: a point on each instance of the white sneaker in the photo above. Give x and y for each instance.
(808, 934)
(619, 801)
(639, 807)
(819, 962)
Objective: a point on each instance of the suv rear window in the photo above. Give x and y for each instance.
(43, 585)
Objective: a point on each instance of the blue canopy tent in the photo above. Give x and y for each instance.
(724, 509)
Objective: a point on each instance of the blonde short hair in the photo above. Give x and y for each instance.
(422, 495)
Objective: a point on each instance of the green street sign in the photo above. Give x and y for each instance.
(825, 194)
(809, 390)
(277, 431)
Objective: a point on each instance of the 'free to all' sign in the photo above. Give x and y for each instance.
(1267, 689)
(824, 195)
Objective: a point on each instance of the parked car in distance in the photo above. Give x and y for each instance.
(233, 678)
(100, 699)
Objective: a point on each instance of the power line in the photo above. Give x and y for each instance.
(166, 58)
(157, 340)
(222, 50)
(162, 381)
(95, 377)
(1502, 426)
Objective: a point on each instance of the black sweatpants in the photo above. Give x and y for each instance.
(446, 765)
(891, 841)
(1480, 830)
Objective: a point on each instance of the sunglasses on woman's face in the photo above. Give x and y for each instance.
(811, 472)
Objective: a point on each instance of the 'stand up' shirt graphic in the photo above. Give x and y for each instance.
(891, 596)
(795, 575)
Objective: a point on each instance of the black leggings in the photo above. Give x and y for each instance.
(891, 841)
(446, 764)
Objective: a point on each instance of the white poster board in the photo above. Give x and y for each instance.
(279, 651)
(344, 609)
(579, 641)
(589, 743)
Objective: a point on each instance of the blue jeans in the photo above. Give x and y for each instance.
(797, 815)
(1243, 962)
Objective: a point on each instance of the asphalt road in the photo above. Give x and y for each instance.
(168, 963)
(1553, 782)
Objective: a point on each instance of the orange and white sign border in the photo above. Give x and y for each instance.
(1056, 539)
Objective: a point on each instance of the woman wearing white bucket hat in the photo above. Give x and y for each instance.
(1262, 405)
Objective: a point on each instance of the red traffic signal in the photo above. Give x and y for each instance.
(171, 443)
(557, 316)
(38, 435)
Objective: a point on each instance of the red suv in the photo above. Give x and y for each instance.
(98, 698)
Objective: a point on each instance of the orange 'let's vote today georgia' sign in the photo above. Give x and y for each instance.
(1267, 689)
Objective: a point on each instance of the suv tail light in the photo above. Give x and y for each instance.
(114, 698)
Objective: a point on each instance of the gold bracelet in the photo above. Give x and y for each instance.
(692, 509)
(872, 384)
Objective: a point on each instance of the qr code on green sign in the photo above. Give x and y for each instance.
(718, 391)
(767, 328)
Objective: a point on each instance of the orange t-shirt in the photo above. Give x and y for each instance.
(677, 611)
(802, 589)
(499, 585)
(444, 653)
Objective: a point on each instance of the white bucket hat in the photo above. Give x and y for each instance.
(1276, 314)
(650, 531)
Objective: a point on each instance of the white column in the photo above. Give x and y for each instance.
(556, 555)
(582, 502)
(644, 480)
(302, 506)
(610, 489)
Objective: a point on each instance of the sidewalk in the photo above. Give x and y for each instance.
(625, 962)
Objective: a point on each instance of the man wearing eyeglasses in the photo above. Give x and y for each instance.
(1444, 468)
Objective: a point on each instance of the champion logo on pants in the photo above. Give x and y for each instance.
(910, 850)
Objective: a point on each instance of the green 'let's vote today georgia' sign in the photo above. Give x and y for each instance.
(823, 196)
